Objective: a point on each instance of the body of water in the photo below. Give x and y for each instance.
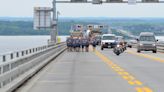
(16, 43)
(160, 38)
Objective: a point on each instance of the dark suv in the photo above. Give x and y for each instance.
(147, 42)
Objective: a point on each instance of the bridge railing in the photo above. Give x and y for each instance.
(20, 54)
(17, 67)
(160, 47)
(11, 56)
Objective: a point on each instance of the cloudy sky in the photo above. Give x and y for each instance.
(24, 8)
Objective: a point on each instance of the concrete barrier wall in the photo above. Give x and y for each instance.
(16, 72)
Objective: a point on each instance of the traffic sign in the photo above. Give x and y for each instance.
(132, 2)
(97, 2)
(42, 17)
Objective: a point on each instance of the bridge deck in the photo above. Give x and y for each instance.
(100, 71)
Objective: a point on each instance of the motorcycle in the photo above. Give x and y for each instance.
(118, 49)
(124, 46)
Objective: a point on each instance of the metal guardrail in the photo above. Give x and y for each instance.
(160, 47)
(17, 67)
(23, 53)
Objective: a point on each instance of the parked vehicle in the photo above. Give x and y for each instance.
(108, 41)
(146, 42)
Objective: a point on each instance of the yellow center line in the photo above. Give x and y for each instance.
(125, 77)
(131, 77)
(120, 73)
(119, 70)
(138, 89)
(124, 74)
(146, 89)
(138, 82)
(146, 56)
(131, 82)
(143, 89)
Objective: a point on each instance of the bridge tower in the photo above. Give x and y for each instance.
(53, 32)
(45, 18)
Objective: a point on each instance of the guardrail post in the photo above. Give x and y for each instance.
(26, 52)
(0, 74)
(22, 53)
(3, 58)
(11, 56)
(33, 50)
(1, 71)
(17, 54)
(30, 51)
(9, 70)
(0, 84)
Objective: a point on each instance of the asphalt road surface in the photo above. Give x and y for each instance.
(101, 71)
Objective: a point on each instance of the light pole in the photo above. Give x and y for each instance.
(58, 13)
(54, 23)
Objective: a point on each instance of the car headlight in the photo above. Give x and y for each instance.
(118, 45)
(154, 44)
(141, 44)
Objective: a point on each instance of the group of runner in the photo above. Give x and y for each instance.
(80, 44)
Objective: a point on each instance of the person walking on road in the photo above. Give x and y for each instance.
(77, 44)
(93, 43)
(86, 44)
(83, 44)
(69, 43)
(74, 44)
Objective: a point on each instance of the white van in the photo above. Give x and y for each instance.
(108, 41)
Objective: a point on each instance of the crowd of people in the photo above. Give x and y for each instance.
(80, 44)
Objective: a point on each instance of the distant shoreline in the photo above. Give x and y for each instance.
(31, 35)
(21, 27)
(82, 18)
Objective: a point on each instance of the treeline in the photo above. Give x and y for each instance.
(26, 28)
(134, 27)
(19, 28)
